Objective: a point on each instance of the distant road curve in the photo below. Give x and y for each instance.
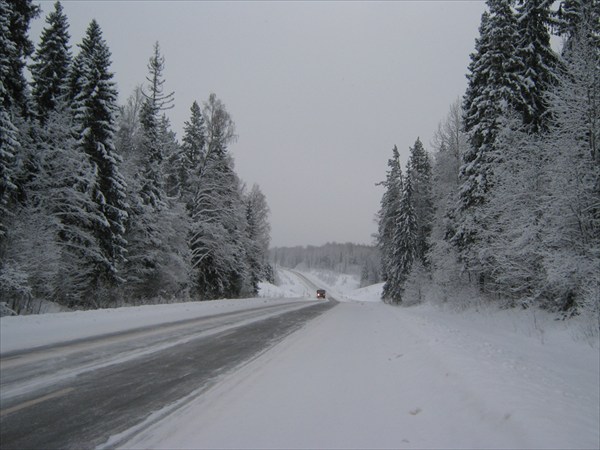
(308, 283)
(79, 394)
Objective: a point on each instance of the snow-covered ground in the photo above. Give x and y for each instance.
(370, 375)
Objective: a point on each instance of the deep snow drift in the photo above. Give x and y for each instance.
(369, 375)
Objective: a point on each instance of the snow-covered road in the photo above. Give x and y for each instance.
(24, 372)
(72, 380)
(368, 375)
(361, 375)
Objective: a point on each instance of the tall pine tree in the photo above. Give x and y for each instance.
(572, 14)
(8, 132)
(421, 184)
(151, 220)
(62, 200)
(258, 238)
(387, 218)
(95, 109)
(495, 91)
(19, 15)
(404, 241)
(188, 162)
(51, 67)
(494, 88)
(152, 177)
(539, 61)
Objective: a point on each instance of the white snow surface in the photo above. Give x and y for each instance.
(369, 375)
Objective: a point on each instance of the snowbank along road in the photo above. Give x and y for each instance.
(78, 394)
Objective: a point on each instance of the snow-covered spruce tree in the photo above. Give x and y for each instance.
(258, 233)
(422, 200)
(167, 140)
(571, 14)
(95, 109)
(156, 263)
(8, 131)
(545, 234)
(217, 238)
(387, 217)
(65, 216)
(542, 217)
(58, 202)
(539, 62)
(157, 266)
(419, 173)
(576, 98)
(494, 82)
(404, 241)
(152, 177)
(19, 15)
(185, 165)
(16, 149)
(159, 100)
(175, 264)
(51, 67)
(8, 146)
(16, 145)
(494, 89)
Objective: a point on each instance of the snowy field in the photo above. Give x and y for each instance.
(369, 375)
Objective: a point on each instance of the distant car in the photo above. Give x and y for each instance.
(321, 293)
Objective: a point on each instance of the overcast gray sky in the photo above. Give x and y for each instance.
(319, 91)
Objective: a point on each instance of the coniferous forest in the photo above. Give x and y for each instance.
(100, 202)
(506, 207)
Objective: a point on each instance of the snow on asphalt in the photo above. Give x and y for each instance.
(369, 375)
(26, 332)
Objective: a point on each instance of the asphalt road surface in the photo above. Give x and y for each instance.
(79, 394)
